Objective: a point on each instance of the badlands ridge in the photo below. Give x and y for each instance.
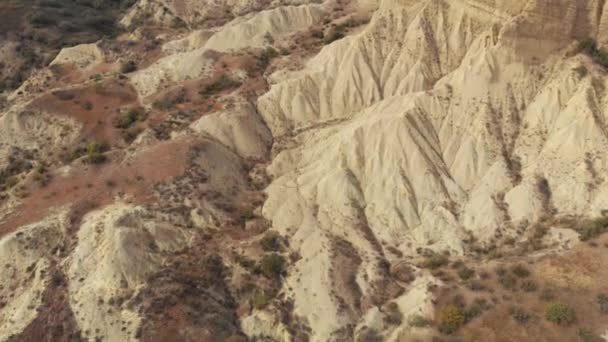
(322, 171)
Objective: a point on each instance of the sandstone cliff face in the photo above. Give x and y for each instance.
(436, 127)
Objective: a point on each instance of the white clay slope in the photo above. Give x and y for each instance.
(414, 128)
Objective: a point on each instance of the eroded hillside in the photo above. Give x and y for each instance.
(414, 170)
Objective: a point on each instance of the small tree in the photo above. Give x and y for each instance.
(272, 266)
(127, 67)
(520, 271)
(393, 314)
(270, 242)
(435, 261)
(602, 300)
(419, 321)
(520, 315)
(451, 318)
(95, 153)
(465, 273)
(560, 313)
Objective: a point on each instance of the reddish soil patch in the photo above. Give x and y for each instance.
(131, 179)
(71, 74)
(181, 105)
(95, 106)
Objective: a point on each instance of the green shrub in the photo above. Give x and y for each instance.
(602, 300)
(247, 214)
(581, 71)
(178, 23)
(41, 20)
(333, 34)
(87, 105)
(528, 286)
(520, 315)
(392, 314)
(500, 271)
(435, 261)
(560, 313)
(130, 117)
(95, 152)
(547, 295)
(465, 273)
(270, 242)
(588, 336)
(598, 55)
(223, 83)
(101, 23)
(272, 266)
(131, 133)
(368, 334)
(419, 321)
(520, 271)
(451, 318)
(165, 103)
(266, 56)
(260, 300)
(10, 182)
(128, 67)
(592, 228)
(508, 281)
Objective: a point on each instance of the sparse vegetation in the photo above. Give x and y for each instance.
(270, 242)
(590, 48)
(10, 182)
(64, 95)
(581, 71)
(128, 67)
(588, 336)
(392, 314)
(434, 261)
(560, 313)
(478, 306)
(221, 84)
(247, 214)
(528, 286)
(178, 23)
(130, 117)
(602, 301)
(419, 321)
(592, 228)
(95, 153)
(520, 315)
(266, 56)
(260, 300)
(520, 271)
(334, 33)
(131, 133)
(465, 273)
(451, 318)
(272, 265)
(508, 281)
(40, 174)
(18, 162)
(368, 334)
(165, 103)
